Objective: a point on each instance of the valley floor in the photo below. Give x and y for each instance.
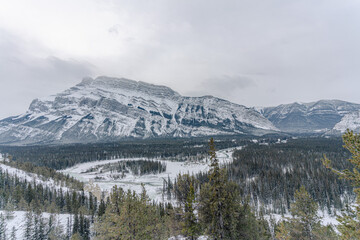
(153, 182)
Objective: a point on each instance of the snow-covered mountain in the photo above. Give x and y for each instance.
(106, 109)
(349, 121)
(320, 116)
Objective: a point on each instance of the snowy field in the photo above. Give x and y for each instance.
(153, 182)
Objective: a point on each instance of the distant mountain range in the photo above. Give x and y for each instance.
(109, 109)
(325, 116)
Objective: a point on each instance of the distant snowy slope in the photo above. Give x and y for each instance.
(106, 109)
(350, 121)
(320, 116)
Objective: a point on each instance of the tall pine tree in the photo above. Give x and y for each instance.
(349, 226)
(191, 226)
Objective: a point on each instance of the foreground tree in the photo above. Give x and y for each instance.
(304, 216)
(191, 226)
(304, 223)
(221, 213)
(131, 216)
(215, 200)
(349, 226)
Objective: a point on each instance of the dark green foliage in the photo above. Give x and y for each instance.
(181, 187)
(132, 216)
(304, 223)
(271, 174)
(138, 167)
(349, 226)
(37, 197)
(191, 227)
(304, 216)
(81, 226)
(220, 210)
(46, 173)
(63, 156)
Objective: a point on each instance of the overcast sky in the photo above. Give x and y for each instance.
(255, 53)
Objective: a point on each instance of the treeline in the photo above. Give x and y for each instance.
(20, 194)
(38, 227)
(270, 175)
(46, 173)
(136, 167)
(63, 156)
(128, 215)
(213, 208)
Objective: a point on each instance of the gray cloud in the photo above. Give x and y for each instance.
(224, 86)
(250, 52)
(24, 77)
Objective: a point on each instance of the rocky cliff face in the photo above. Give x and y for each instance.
(106, 109)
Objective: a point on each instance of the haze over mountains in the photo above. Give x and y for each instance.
(108, 109)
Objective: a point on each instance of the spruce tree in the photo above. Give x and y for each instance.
(28, 233)
(283, 231)
(102, 208)
(349, 226)
(218, 200)
(221, 213)
(42, 230)
(2, 227)
(304, 223)
(76, 225)
(13, 233)
(304, 216)
(191, 226)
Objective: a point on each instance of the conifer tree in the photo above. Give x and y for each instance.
(76, 224)
(41, 234)
(68, 228)
(219, 199)
(283, 232)
(102, 208)
(9, 209)
(304, 223)
(2, 227)
(191, 226)
(349, 226)
(28, 233)
(304, 216)
(216, 195)
(13, 233)
(36, 227)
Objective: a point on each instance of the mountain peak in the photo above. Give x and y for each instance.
(107, 109)
(316, 116)
(128, 85)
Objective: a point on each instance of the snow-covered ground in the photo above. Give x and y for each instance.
(326, 219)
(19, 220)
(153, 182)
(31, 177)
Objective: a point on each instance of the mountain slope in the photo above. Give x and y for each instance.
(317, 116)
(349, 121)
(106, 109)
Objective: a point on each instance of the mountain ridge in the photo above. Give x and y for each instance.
(318, 116)
(107, 109)
(110, 109)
